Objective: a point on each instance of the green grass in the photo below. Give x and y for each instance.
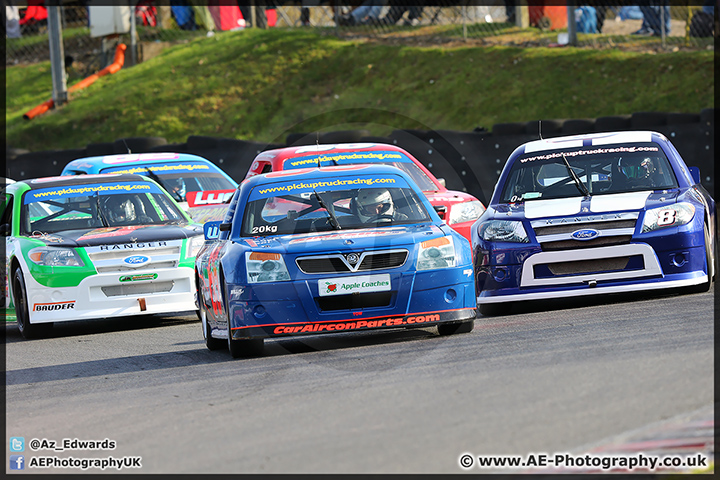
(262, 84)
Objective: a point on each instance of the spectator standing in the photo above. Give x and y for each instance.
(12, 21)
(654, 15)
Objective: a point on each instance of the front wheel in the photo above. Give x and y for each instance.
(709, 265)
(27, 329)
(243, 347)
(211, 342)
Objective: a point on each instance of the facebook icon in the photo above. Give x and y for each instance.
(17, 462)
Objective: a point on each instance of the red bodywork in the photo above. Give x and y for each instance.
(440, 197)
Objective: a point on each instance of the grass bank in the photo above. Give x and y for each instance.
(261, 84)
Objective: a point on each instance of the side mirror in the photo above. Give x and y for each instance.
(441, 181)
(695, 173)
(441, 211)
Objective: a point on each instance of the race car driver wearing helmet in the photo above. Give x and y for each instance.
(376, 204)
(637, 171)
(119, 210)
(176, 188)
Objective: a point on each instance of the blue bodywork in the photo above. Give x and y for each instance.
(132, 161)
(611, 240)
(295, 305)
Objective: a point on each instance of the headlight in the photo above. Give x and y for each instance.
(436, 253)
(670, 216)
(503, 231)
(465, 212)
(265, 267)
(55, 257)
(194, 245)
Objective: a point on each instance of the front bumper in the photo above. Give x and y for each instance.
(592, 271)
(104, 296)
(416, 299)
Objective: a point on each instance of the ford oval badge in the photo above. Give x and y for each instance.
(585, 234)
(136, 260)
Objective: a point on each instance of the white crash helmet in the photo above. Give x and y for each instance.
(374, 201)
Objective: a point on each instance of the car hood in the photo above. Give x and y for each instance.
(598, 204)
(349, 240)
(116, 235)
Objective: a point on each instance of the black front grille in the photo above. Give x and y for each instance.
(337, 264)
(359, 300)
(383, 260)
(322, 265)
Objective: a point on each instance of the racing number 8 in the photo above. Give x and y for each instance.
(666, 217)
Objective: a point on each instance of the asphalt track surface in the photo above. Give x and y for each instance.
(549, 378)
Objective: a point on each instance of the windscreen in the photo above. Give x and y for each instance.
(331, 204)
(180, 179)
(392, 158)
(76, 207)
(595, 170)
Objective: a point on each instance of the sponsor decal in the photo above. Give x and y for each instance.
(346, 236)
(298, 187)
(593, 151)
(209, 197)
(133, 246)
(110, 232)
(333, 159)
(358, 324)
(47, 237)
(419, 319)
(162, 169)
(350, 285)
(589, 218)
(136, 260)
(51, 307)
(137, 278)
(585, 234)
(46, 194)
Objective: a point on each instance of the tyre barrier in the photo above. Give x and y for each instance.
(468, 161)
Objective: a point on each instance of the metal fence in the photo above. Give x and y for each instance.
(157, 23)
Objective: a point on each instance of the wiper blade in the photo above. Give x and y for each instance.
(176, 196)
(578, 183)
(331, 215)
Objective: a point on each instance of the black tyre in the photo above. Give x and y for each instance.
(211, 342)
(709, 265)
(455, 328)
(493, 309)
(515, 128)
(22, 314)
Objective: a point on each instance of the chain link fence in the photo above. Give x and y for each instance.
(648, 25)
